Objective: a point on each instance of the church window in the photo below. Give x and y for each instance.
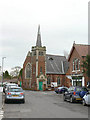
(34, 53)
(41, 53)
(28, 71)
(58, 80)
(33, 70)
(40, 69)
(49, 80)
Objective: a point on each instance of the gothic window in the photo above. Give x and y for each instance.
(58, 80)
(33, 70)
(34, 53)
(49, 80)
(28, 71)
(40, 69)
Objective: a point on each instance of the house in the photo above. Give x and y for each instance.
(75, 75)
(40, 70)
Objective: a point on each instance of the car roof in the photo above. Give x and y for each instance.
(11, 84)
(14, 87)
(61, 87)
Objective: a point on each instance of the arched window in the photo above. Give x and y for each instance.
(28, 71)
(58, 80)
(49, 80)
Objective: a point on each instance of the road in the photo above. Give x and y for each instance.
(45, 105)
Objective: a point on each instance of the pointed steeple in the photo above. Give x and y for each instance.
(38, 43)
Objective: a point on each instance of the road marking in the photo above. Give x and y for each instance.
(1, 114)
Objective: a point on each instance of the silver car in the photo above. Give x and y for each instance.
(86, 99)
(14, 94)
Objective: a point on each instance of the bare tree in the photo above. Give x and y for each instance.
(66, 54)
(15, 71)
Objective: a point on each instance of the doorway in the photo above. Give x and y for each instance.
(40, 86)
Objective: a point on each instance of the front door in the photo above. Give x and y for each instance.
(40, 85)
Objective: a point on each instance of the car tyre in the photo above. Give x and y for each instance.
(23, 101)
(84, 103)
(64, 99)
(6, 101)
(71, 100)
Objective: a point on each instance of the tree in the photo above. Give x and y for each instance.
(65, 53)
(6, 75)
(15, 71)
(86, 65)
(20, 73)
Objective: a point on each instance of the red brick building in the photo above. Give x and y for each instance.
(40, 70)
(75, 75)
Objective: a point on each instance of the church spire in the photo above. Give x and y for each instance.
(38, 43)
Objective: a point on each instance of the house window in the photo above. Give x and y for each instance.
(58, 80)
(79, 65)
(49, 80)
(28, 71)
(76, 64)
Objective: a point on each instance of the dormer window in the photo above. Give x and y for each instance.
(50, 58)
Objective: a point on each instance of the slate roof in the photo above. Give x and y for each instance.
(56, 64)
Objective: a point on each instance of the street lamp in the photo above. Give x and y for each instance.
(2, 79)
(2, 69)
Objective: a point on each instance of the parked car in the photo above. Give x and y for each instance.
(8, 85)
(75, 94)
(86, 99)
(14, 94)
(61, 90)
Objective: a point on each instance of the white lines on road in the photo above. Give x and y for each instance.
(1, 113)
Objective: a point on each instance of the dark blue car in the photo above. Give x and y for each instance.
(61, 90)
(75, 94)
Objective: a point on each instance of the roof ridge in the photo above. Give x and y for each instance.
(83, 44)
(56, 55)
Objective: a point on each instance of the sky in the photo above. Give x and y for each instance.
(61, 23)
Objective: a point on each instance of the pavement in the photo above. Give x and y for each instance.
(1, 110)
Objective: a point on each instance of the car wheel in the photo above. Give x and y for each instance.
(23, 101)
(84, 103)
(71, 100)
(64, 99)
(6, 101)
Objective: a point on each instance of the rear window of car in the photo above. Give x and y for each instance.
(78, 89)
(15, 90)
(84, 89)
(71, 89)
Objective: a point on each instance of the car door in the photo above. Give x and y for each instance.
(67, 93)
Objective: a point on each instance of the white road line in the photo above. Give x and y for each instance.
(1, 114)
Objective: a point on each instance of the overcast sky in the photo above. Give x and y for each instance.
(61, 23)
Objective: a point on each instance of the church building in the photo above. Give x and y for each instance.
(40, 70)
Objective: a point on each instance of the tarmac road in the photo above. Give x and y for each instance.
(45, 105)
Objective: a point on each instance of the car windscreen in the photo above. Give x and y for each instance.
(15, 89)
